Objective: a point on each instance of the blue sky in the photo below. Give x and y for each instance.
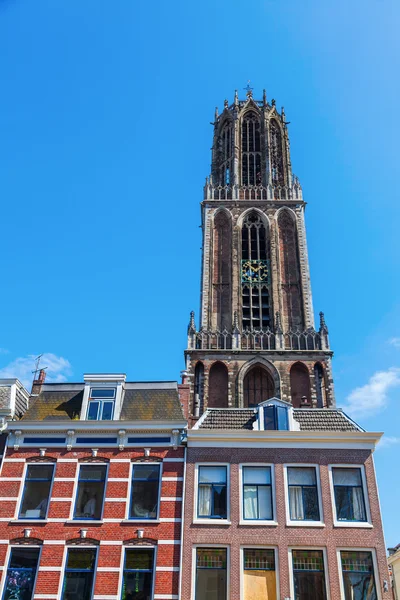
(105, 137)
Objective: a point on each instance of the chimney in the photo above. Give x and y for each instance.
(37, 383)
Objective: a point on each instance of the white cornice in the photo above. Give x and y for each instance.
(282, 439)
(96, 426)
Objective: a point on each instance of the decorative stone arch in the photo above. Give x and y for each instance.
(221, 272)
(291, 296)
(272, 371)
(286, 209)
(258, 211)
(218, 385)
(221, 209)
(300, 384)
(321, 385)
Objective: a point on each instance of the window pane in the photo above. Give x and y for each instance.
(257, 475)
(301, 476)
(346, 476)
(212, 474)
(21, 573)
(93, 411)
(211, 574)
(137, 585)
(139, 559)
(269, 417)
(204, 501)
(264, 502)
(144, 494)
(95, 472)
(89, 501)
(358, 578)
(79, 574)
(282, 418)
(250, 502)
(296, 507)
(219, 496)
(311, 508)
(36, 492)
(102, 393)
(349, 504)
(308, 575)
(108, 408)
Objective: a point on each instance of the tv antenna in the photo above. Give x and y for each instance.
(37, 363)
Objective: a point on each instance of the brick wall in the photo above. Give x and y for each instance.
(112, 534)
(282, 536)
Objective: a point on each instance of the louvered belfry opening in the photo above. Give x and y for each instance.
(256, 310)
(222, 272)
(251, 150)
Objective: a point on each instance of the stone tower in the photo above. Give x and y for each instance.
(256, 337)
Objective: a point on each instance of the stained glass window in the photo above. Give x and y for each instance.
(308, 575)
(21, 574)
(358, 575)
(79, 574)
(211, 574)
(259, 578)
(137, 582)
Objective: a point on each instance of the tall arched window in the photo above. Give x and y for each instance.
(225, 152)
(222, 246)
(276, 157)
(256, 311)
(251, 150)
(218, 386)
(258, 386)
(300, 384)
(320, 387)
(290, 271)
(198, 389)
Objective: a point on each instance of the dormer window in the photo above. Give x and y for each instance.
(276, 418)
(101, 404)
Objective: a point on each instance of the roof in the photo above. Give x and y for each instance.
(141, 402)
(310, 419)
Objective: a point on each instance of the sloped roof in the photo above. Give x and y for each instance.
(310, 419)
(148, 401)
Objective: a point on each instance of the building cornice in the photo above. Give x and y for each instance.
(95, 426)
(283, 439)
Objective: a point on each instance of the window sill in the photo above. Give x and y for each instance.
(84, 522)
(360, 524)
(211, 522)
(134, 521)
(305, 524)
(26, 521)
(258, 523)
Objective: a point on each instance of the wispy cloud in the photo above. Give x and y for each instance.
(58, 368)
(394, 341)
(368, 399)
(387, 441)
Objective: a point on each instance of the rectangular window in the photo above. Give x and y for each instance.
(212, 499)
(90, 492)
(21, 573)
(210, 574)
(101, 404)
(137, 581)
(308, 575)
(145, 491)
(259, 579)
(257, 493)
(276, 418)
(358, 575)
(303, 494)
(79, 574)
(349, 494)
(36, 492)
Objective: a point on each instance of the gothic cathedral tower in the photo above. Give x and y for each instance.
(256, 338)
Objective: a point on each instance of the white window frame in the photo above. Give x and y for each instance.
(21, 493)
(205, 521)
(75, 492)
(260, 522)
(305, 523)
(326, 570)
(7, 561)
(153, 547)
(228, 567)
(128, 502)
(366, 524)
(101, 402)
(64, 565)
(374, 564)
(244, 547)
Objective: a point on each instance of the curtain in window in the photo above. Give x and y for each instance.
(346, 476)
(250, 502)
(358, 504)
(296, 503)
(205, 492)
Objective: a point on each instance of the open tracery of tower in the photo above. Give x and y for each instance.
(256, 338)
